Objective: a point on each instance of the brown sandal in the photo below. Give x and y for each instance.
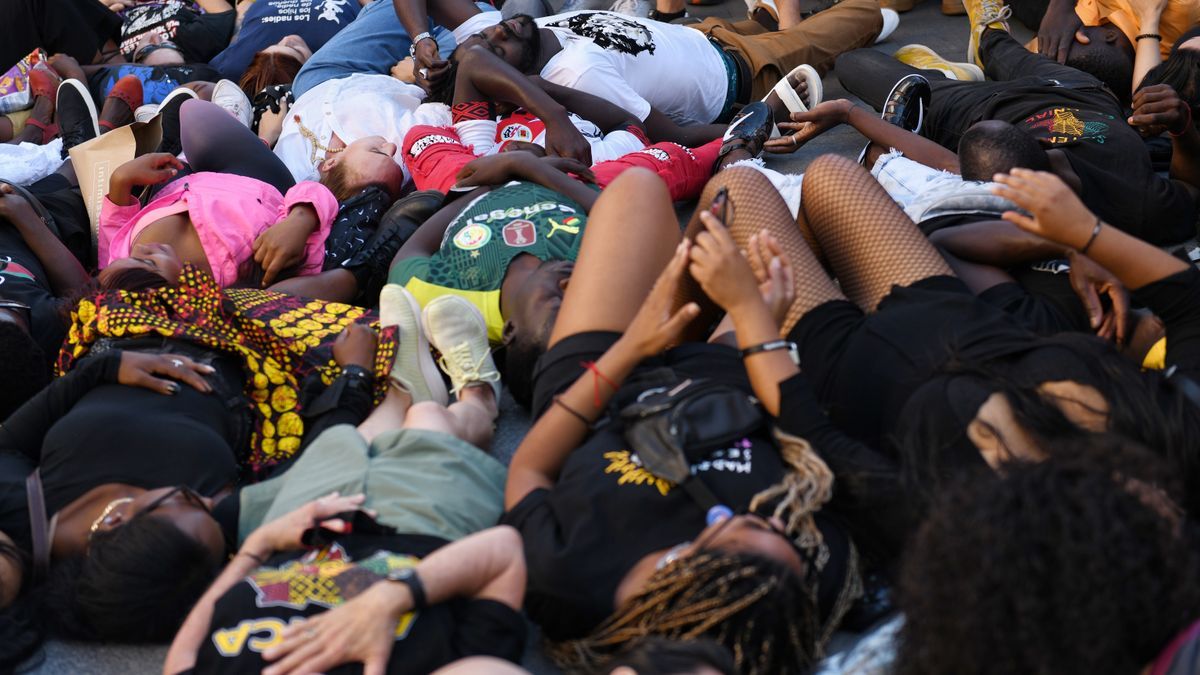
(49, 131)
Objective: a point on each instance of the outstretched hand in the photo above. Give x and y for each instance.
(1060, 30)
(720, 268)
(774, 273)
(655, 327)
(1090, 281)
(150, 169)
(284, 533)
(806, 126)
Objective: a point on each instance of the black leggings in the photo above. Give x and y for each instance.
(214, 141)
(956, 105)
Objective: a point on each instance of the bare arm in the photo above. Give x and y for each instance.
(660, 128)
(488, 565)
(186, 645)
(829, 114)
(608, 116)
(64, 272)
(995, 242)
(1148, 51)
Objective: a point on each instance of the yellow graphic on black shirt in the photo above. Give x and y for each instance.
(326, 578)
(1058, 126)
(633, 473)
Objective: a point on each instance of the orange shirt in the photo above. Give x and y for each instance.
(1177, 18)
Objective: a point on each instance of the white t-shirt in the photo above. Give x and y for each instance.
(638, 64)
(634, 63)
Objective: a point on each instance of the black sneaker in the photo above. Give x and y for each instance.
(748, 130)
(76, 114)
(905, 106)
(168, 112)
(371, 264)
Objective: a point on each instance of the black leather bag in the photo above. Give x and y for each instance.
(666, 425)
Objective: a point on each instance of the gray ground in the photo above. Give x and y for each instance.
(925, 25)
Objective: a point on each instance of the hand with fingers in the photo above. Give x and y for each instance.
(1061, 28)
(494, 169)
(355, 346)
(806, 126)
(163, 372)
(720, 268)
(571, 166)
(149, 169)
(774, 274)
(1090, 282)
(428, 65)
(362, 630)
(1157, 109)
(563, 139)
(1052, 209)
(282, 246)
(655, 327)
(285, 532)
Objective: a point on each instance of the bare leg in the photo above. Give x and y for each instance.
(387, 416)
(631, 234)
(870, 243)
(470, 418)
(755, 205)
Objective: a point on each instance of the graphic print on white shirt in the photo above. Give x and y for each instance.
(609, 31)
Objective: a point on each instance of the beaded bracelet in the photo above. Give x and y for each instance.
(1154, 36)
(1091, 240)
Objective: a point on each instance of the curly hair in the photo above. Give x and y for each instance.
(1080, 564)
(756, 607)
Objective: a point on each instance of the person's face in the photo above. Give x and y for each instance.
(370, 160)
(186, 510)
(293, 46)
(751, 533)
(157, 258)
(11, 575)
(157, 49)
(1001, 438)
(514, 40)
(537, 300)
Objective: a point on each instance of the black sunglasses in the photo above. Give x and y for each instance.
(189, 495)
(146, 50)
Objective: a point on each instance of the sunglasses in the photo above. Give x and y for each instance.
(146, 50)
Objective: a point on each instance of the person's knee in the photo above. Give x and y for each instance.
(824, 166)
(429, 415)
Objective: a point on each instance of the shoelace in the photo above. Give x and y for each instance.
(463, 368)
(991, 15)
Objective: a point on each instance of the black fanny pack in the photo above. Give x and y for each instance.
(665, 424)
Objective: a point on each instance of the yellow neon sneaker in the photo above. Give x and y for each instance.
(924, 58)
(456, 328)
(984, 14)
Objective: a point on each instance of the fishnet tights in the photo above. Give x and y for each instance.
(870, 243)
(755, 205)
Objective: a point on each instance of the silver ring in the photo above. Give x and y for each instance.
(795, 141)
(310, 633)
(424, 73)
(177, 363)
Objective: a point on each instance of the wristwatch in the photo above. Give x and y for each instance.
(408, 577)
(412, 49)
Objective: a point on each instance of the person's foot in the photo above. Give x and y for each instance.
(747, 133)
(982, 15)
(800, 80)
(924, 58)
(456, 329)
(765, 13)
(413, 370)
(234, 101)
(169, 109)
(76, 114)
(905, 106)
(39, 126)
(891, 21)
(43, 81)
(122, 100)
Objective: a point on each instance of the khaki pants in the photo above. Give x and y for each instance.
(817, 41)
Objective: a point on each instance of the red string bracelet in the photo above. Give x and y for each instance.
(591, 365)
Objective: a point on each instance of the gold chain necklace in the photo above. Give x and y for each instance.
(316, 143)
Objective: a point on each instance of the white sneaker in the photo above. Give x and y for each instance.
(413, 369)
(456, 328)
(145, 113)
(234, 101)
(891, 21)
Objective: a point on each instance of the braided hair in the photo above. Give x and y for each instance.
(756, 607)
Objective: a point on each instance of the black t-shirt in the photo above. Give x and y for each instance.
(199, 37)
(606, 512)
(23, 279)
(1119, 183)
(83, 432)
(250, 616)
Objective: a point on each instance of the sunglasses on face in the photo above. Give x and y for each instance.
(146, 50)
(189, 495)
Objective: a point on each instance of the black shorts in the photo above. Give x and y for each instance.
(562, 364)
